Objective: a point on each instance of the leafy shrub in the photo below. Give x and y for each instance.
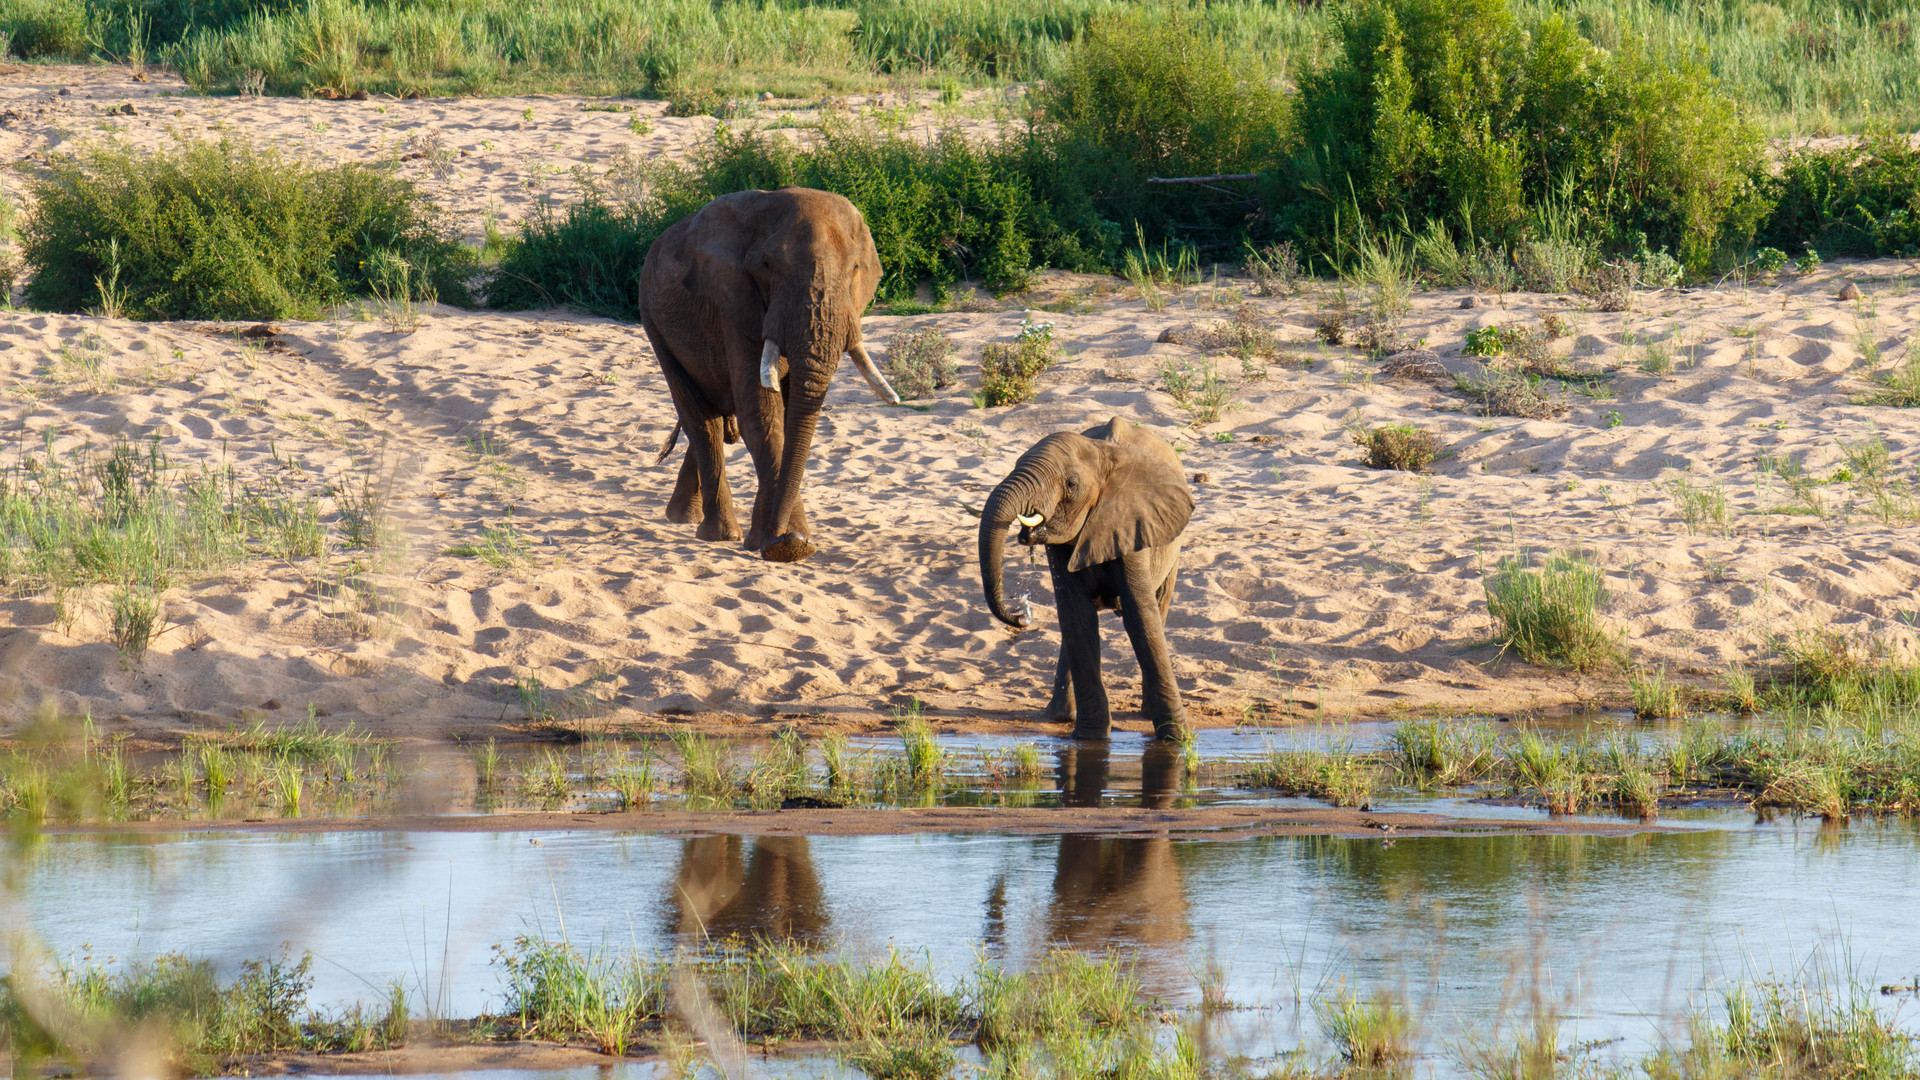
(1859, 199)
(1198, 388)
(226, 231)
(1550, 613)
(1434, 110)
(1143, 95)
(51, 29)
(1008, 369)
(920, 362)
(587, 255)
(1770, 260)
(1398, 446)
(1485, 341)
(939, 211)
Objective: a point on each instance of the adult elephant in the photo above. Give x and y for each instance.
(1109, 503)
(749, 304)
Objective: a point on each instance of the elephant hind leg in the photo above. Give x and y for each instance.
(685, 505)
(717, 521)
(701, 487)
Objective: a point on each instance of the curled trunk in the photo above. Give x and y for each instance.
(1013, 497)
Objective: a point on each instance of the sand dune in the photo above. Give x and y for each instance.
(1311, 585)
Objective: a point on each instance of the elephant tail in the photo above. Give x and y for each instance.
(731, 434)
(673, 439)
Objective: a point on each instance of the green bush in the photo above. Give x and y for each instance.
(587, 255)
(1144, 95)
(1455, 112)
(226, 231)
(1862, 199)
(45, 29)
(940, 212)
(920, 362)
(1009, 370)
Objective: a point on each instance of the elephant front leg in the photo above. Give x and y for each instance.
(1060, 705)
(1080, 648)
(761, 430)
(1140, 612)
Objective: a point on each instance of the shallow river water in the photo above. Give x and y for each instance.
(1617, 935)
(1617, 932)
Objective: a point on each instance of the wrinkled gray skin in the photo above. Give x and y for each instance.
(750, 304)
(1111, 503)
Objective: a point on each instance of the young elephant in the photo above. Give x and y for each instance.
(1109, 503)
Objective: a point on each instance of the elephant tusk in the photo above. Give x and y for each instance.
(770, 365)
(874, 379)
(1030, 520)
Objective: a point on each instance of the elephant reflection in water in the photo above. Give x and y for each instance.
(728, 887)
(1120, 892)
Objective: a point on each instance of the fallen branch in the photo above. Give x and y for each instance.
(1202, 179)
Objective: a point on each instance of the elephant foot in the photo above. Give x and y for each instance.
(1176, 731)
(1060, 709)
(789, 548)
(1092, 729)
(718, 528)
(683, 513)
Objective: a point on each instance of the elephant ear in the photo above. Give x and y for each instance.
(1144, 502)
(721, 272)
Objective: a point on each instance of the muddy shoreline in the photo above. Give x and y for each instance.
(1210, 823)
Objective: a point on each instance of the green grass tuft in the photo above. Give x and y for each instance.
(1398, 446)
(1655, 696)
(1550, 613)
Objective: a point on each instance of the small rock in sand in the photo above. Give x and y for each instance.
(1851, 292)
(1468, 301)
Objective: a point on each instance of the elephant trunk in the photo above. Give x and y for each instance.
(809, 375)
(1015, 497)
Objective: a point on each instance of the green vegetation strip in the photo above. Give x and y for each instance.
(1494, 144)
(66, 771)
(1829, 768)
(1804, 66)
(1065, 1016)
